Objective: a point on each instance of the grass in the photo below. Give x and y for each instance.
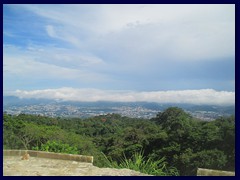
(148, 166)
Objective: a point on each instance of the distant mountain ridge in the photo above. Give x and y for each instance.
(9, 101)
(14, 100)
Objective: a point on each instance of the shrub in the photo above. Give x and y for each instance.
(139, 163)
(57, 147)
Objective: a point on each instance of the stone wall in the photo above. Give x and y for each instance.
(211, 172)
(51, 155)
(52, 164)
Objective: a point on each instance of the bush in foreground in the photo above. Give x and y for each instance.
(148, 166)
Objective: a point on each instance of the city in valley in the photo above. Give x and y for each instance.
(145, 110)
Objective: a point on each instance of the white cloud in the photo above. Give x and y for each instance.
(202, 96)
(41, 63)
(50, 30)
(145, 47)
(177, 32)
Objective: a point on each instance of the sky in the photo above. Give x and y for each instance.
(126, 52)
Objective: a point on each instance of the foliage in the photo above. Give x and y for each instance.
(182, 141)
(148, 166)
(188, 161)
(57, 147)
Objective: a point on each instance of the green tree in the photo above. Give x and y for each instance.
(174, 120)
(57, 147)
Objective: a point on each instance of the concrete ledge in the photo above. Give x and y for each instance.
(211, 172)
(50, 155)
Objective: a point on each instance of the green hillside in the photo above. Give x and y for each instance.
(173, 142)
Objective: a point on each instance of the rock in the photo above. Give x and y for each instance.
(26, 156)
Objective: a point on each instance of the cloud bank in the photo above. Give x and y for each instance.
(203, 96)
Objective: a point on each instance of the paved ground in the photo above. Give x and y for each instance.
(14, 166)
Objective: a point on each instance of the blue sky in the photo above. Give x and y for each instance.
(127, 52)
